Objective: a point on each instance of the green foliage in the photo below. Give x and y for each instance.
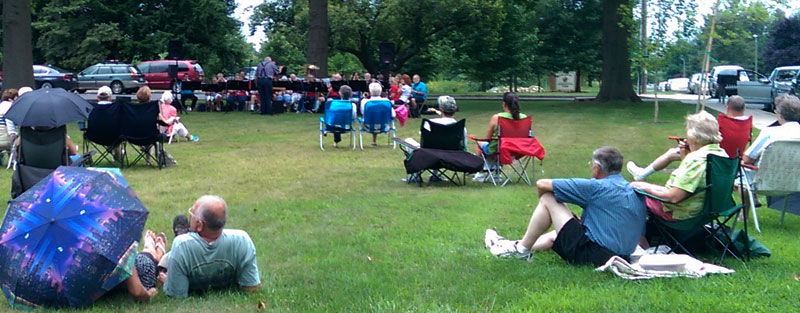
(782, 48)
(448, 87)
(76, 34)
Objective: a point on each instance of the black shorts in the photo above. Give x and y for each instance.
(576, 248)
(146, 268)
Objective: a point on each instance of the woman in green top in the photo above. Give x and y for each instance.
(702, 139)
(510, 111)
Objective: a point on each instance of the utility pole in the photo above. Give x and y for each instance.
(756, 53)
(701, 105)
(643, 35)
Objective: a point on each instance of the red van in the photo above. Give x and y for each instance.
(157, 72)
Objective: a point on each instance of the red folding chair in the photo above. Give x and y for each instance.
(735, 134)
(516, 146)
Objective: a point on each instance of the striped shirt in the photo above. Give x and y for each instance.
(266, 70)
(614, 215)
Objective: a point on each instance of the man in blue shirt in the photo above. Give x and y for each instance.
(612, 221)
(419, 94)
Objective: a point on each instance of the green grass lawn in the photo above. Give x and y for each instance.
(337, 230)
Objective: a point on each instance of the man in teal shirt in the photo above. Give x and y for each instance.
(419, 94)
(209, 256)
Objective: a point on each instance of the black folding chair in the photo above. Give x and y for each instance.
(40, 152)
(140, 132)
(104, 133)
(442, 153)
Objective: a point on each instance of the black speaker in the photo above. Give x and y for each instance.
(175, 50)
(173, 71)
(386, 52)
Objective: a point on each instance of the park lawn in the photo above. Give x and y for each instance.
(337, 230)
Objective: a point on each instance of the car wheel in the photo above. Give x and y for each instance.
(117, 88)
(47, 85)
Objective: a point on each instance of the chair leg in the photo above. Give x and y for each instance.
(360, 140)
(783, 213)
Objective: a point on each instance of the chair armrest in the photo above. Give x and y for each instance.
(404, 143)
(646, 194)
(750, 167)
(480, 139)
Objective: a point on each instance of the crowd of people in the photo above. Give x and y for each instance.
(614, 217)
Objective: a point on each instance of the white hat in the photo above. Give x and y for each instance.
(24, 90)
(104, 92)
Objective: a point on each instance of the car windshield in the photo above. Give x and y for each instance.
(197, 67)
(785, 75)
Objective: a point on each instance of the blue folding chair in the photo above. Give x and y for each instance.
(338, 119)
(377, 119)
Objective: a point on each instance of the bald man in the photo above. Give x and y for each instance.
(209, 256)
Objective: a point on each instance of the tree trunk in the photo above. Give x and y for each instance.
(578, 80)
(317, 40)
(655, 92)
(17, 47)
(616, 75)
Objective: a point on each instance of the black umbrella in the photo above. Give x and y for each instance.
(51, 107)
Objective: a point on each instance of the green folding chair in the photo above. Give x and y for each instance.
(718, 208)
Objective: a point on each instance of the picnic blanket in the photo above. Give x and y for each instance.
(651, 265)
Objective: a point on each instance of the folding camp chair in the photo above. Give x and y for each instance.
(718, 208)
(338, 119)
(140, 132)
(776, 173)
(516, 145)
(104, 133)
(40, 152)
(376, 119)
(5, 142)
(735, 134)
(441, 152)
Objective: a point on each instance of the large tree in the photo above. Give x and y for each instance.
(616, 77)
(17, 50)
(317, 39)
(76, 33)
(783, 48)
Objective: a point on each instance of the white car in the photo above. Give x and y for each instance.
(679, 84)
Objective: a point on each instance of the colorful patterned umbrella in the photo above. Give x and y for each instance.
(69, 239)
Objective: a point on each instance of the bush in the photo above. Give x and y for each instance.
(448, 86)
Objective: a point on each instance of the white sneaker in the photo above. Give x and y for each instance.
(636, 171)
(504, 248)
(480, 177)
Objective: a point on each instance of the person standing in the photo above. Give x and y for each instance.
(264, 73)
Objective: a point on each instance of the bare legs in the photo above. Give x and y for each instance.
(548, 212)
(671, 155)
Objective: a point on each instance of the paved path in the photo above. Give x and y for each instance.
(761, 118)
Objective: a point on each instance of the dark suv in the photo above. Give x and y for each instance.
(121, 77)
(157, 73)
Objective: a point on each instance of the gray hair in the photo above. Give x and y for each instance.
(375, 89)
(167, 97)
(267, 59)
(788, 106)
(736, 103)
(703, 128)
(609, 159)
(208, 217)
(345, 92)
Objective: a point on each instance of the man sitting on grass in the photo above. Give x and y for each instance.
(612, 221)
(209, 256)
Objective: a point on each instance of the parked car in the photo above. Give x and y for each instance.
(785, 81)
(729, 78)
(121, 77)
(53, 77)
(157, 73)
(694, 83)
(755, 89)
(678, 84)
